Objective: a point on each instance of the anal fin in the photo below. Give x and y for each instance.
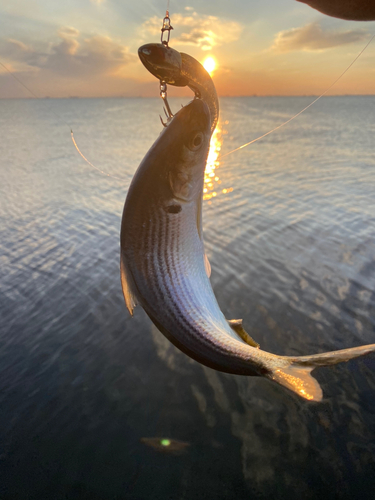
(126, 283)
(236, 325)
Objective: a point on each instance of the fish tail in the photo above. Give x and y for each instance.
(297, 375)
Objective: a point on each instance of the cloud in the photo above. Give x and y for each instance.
(68, 31)
(313, 37)
(199, 30)
(17, 45)
(72, 56)
(20, 52)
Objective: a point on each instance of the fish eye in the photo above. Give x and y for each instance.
(196, 141)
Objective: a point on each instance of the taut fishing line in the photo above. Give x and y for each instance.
(220, 157)
(304, 109)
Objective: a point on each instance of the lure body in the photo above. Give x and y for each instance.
(181, 70)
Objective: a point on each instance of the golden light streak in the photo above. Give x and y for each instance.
(211, 178)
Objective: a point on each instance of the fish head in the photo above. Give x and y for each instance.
(163, 62)
(188, 137)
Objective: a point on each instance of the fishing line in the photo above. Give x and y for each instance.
(64, 121)
(89, 162)
(304, 109)
(220, 157)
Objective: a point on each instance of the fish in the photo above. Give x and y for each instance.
(164, 267)
(181, 70)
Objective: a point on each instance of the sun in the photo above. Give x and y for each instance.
(209, 65)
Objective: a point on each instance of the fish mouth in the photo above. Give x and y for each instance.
(194, 116)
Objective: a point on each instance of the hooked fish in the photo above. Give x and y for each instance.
(181, 70)
(164, 267)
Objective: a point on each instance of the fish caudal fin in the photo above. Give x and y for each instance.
(298, 380)
(297, 377)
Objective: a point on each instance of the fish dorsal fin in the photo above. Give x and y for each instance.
(207, 265)
(126, 283)
(236, 325)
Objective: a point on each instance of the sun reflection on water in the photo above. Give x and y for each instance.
(212, 181)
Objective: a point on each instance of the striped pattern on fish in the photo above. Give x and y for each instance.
(164, 268)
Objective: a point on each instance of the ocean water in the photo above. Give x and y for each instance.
(289, 226)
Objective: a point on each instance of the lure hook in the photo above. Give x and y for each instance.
(163, 122)
(163, 95)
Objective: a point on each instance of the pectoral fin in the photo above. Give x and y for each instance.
(236, 325)
(126, 283)
(207, 265)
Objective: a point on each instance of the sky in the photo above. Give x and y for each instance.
(88, 48)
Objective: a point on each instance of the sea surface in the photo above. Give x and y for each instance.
(289, 226)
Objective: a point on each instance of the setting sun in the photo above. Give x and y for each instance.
(209, 65)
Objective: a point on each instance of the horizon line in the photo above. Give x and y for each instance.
(184, 96)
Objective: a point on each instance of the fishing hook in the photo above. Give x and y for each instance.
(163, 95)
(163, 122)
